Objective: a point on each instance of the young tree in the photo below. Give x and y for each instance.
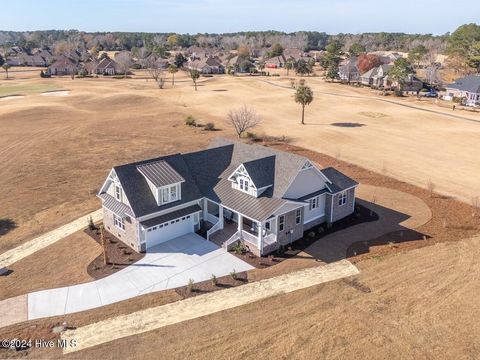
(172, 69)
(124, 61)
(155, 72)
(243, 119)
(332, 59)
(104, 245)
(5, 67)
(303, 96)
(289, 65)
(194, 75)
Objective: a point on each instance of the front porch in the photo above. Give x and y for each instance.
(225, 227)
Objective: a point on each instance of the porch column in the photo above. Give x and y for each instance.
(220, 216)
(260, 238)
(240, 225)
(205, 209)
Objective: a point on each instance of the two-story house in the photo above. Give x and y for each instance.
(238, 192)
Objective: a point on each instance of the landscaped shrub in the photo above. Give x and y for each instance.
(91, 224)
(234, 275)
(214, 280)
(210, 126)
(190, 121)
(189, 288)
(239, 248)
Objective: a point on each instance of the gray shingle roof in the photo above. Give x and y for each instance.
(205, 174)
(171, 216)
(339, 180)
(468, 83)
(160, 173)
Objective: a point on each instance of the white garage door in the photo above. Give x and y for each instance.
(169, 230)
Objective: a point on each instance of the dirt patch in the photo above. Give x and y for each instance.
(374, 115)
(119, 255)
(216, 284)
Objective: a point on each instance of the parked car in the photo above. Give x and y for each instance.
(431, 94)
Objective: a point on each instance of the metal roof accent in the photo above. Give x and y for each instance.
(170, 216)
(160, 173)
(115, 206)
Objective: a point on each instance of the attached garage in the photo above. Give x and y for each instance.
(169, 226)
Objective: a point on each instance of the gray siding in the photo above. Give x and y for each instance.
(339, 212)
(129, 236)
(283, 236)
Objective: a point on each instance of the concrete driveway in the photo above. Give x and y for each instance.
(165, 266)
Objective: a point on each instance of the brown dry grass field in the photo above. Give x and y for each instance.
(55, 152)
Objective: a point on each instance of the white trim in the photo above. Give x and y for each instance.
(338, 192)
(331, 207)
(313, 219)
(127, 201)
(156, 225)
(327, 180)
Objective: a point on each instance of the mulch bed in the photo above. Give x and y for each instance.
(361, 215)
(451, 219)
(207, 286)
(119, 255)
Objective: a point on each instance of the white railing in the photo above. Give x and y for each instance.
(231, 240)
(270, 239)
(252, 239)
(211, 218)
(213, 229)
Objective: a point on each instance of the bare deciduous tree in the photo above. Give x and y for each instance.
(155, 72)
(243, 119)
(475, 206)
(124, 61)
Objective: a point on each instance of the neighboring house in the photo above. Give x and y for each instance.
(236, 192)
(63, 66)
(208, 65)
(467, 88)
(411, 85)
(106, 66)
(348, 72)
(275, 62)
(238, 64)
(375, 77)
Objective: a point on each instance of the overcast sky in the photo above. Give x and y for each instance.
(208, 16)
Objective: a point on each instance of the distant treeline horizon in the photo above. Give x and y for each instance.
(305, 40)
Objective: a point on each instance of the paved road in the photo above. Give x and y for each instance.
(165, 266)
(11, 256)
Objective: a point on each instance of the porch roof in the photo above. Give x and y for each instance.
(170, 216)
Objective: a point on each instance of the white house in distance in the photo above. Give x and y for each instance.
(467, 88)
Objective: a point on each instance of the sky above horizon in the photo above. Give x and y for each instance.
(208, 16)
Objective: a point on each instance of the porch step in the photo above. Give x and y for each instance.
(221, 236)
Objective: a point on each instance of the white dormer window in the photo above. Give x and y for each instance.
(118, 192)
(170, 193)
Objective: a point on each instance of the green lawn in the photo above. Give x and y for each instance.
(6, 90)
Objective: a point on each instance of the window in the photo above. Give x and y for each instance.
(118, 193)
(170, 193)
(298, 216)
(118, 222)
(281, 223)
(267, 225)
(241, 184)
(342, 199)
(173, 193)
(313, 203)
(246, 185)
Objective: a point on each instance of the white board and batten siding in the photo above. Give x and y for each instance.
(306, 182)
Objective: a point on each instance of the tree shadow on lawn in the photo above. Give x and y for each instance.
(350, 243)
(347, 124)
(7, 225)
